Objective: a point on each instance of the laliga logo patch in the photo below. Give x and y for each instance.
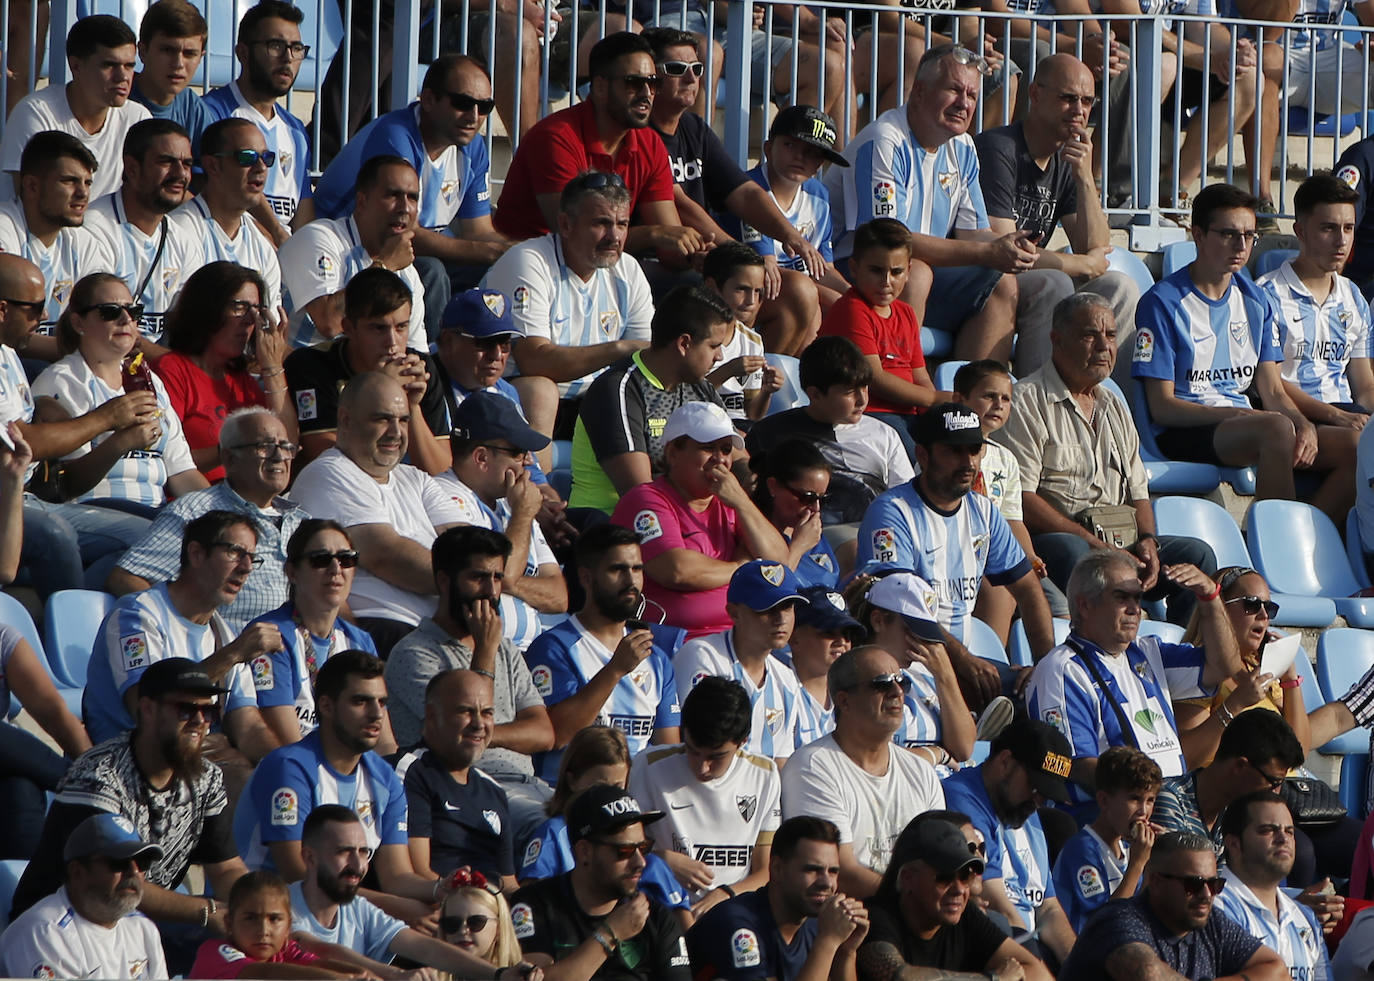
(495, 302)
(543, 680)
(285, 808)
(647, 526)
(532, 852)
(772, 574)
(1054, 718)
(306, 405)
(1089, 882)
(1144, 346)
(521, 297)
(1350, 176)
(522, 919)
(326, 265)
(884, 196)
(134, 648)
(744, 948)
(262, 673)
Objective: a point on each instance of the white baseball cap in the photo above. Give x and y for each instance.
(705, 422)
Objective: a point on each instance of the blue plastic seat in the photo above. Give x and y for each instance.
(1300, 121)
(936, 344)
(1354, 549)
(71, 621)
(1176, 256)
(1168, 633)
(15, 614)
(1343, 657)
(11, 870)
(1271, 260)
(1018, 646)
(791, 395)
(1196, 517)
(983, 641)
(1166, 476)
(562, 454)
(1297, 550)
(944, 374)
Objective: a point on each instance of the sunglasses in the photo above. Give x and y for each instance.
(884, 682)
(192, 711)
(676, 69)
(323, 558)
(462, 102)
(1195, 884)
(636, 82)
(1253, 605)
(475, 923)
(963, 56)
(112, 311)
(624, 851)
(34, 306)
(964, 875)
(246, 158)
(807, 497)
(595, 180)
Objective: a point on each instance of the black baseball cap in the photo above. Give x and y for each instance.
(1045, 753)
(950, 423)
(487, 415)
(604, 809)
(176, 674)
(939, 843)
(808, 124)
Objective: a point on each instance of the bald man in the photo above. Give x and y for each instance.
(1037, 174)
(393, 511)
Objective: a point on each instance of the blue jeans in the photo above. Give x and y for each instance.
(29, 770)
(71, 546)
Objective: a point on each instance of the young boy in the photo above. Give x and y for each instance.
(259, 924)
(799, 141)
(171, 44)
(884, 327)
(1105, 860)
(744, 379)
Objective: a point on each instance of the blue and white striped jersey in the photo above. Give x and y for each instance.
(933, 192)
(809, 214)
(920, 711)
(1086, 873)
(76, 252)
(138, 475)
(952, 552)
(16, 399)
(814, 720)
(564, 658)
(1294, 934)
(1208, 348)
(193, 229)
(1319, 339)
(1319, 13)
(775, 704)
(134, 254)
(288, 179)
(141, 629)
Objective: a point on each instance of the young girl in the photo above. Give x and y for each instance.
(476, 917)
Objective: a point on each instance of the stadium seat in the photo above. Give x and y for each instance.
(71, 621)
(1300, 121)
(983, 641)
(10, 872)
(944, 374)
(936, 344)
(982, 749)
(1343, 656)
(1168, 633)
(15, 614)
(1354, 550)
(1267, 262)
(562, 454)
(1166, 476)
(1297, 550)
(1196, 517)
(1176, 256)
(1018, 649)
(791, 395)
(1125, 261)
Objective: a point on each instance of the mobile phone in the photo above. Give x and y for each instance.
(633, 624)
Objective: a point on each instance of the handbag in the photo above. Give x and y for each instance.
(1113, 523)
(1312, 802)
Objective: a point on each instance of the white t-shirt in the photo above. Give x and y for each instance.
(16, 398)
(52, 940)
(194, 230)
(411, 502)
(47, 109)
(717, 822)
(76, 252)
(134, 253)
(744, 341)
(821, 781)
(319, 260)
(551, 301)
(1002, 479)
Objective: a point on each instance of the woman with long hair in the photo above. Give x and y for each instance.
(790, 491)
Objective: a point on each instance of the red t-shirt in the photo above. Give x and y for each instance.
(221, 959)
(896, 339)
(203, 402)
(664, 520)
(563, 145)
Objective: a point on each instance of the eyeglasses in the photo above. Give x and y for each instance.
(636, 82)
(676, 69)
(238, 308)
(963, 56)
(1194, 884)
(964, 875)
(475, 923)
(624, 851)
(238, 553)
(1236, 236)
(190, 711)
(1253, 605)
(884, 682)
(264, 448)
(34, 306)
(1275, 783)
(277, 47)
(246, 158)
(121, 864)
(511, 451)
(112, 311)
(807, 497)
(323, 558)
(462, 102)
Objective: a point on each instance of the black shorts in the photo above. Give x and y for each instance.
(1189, 444)
(1190, 84)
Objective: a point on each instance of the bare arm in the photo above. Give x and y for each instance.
(400, 561)
(121, 583)
(250, 734)
(397, 875)
(628, 470)
(1035, 613)
(887, 386)
(1361, 377)
(31, 684)
(1054, 927)
(856, 879)
(883, 962)
(529, 732)
(281, 720)
(326, 312)
(686, 570)
(1167, 409)
(540, 356)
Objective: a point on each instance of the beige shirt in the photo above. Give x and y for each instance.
(1073, 461)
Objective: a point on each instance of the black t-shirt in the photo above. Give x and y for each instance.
(548, 920)
(1014, 187)
(738, 940)
(966, 946)
(466, 824)
(317, 374)
(700, 163)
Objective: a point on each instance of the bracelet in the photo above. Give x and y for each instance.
(1295, 683)
(1215, 593)
(611, 933)
(379, 262)
(728, 890)
(269, 372)
(205, 916)
(434, 893)
(1146, 536)
(488, 674)
(1224, 714)
(214, 907)
(606, 945)
(274, 391)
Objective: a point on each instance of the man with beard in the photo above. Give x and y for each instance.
(953, 538)
(1169, 929)
(134, 224)
(1260, 845)
(392, 511)
(335, 764)
(1029, 760)
(326, 905)
(468, 564)
(924, 923)
(181, 617)
(457, 815)
(594, 920)
(270, 51)
(603, 665)
(797, 925)
(89, 927)
(156, 778)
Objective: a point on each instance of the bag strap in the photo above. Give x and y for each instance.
(1127, 733)
(157, 257)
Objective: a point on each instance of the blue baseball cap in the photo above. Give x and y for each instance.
(108, 836)
(824, 610)
(762, 585)
(481, 314)
(487, 415)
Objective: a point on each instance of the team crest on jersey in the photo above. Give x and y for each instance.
(138, 968)
(647, 526)
(1144, 346)
(644, 679)
(773, 718)
(1090, 882)
(135, 649)
(609, 321)
(285, 808)
(170, 277)
(62, 291)
(495, 302)
(824, 562)
(980, 546)
(1350, 176)
(284, 158)
(494, 820)
(231, 953)
(520, 297)
(307, 406)
(747, 804)
(262, 673)
(447, 188)
(1238, 329)
(772, 574)
(1343, 315)
(522, 919)
(744, 948)
(364, 810)
(543, 680)
(884, 545)
(947, 180)
(1140, 668)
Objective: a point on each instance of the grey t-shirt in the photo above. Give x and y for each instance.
(1014, 187)
(427, 651)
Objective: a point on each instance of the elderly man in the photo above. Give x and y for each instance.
(89, 927)
(392, 511)
(855, 776)
(949, 224)
(1105, 687)
(257, 467)
(1066, 495)
(1169, 928)
(1037, 174)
